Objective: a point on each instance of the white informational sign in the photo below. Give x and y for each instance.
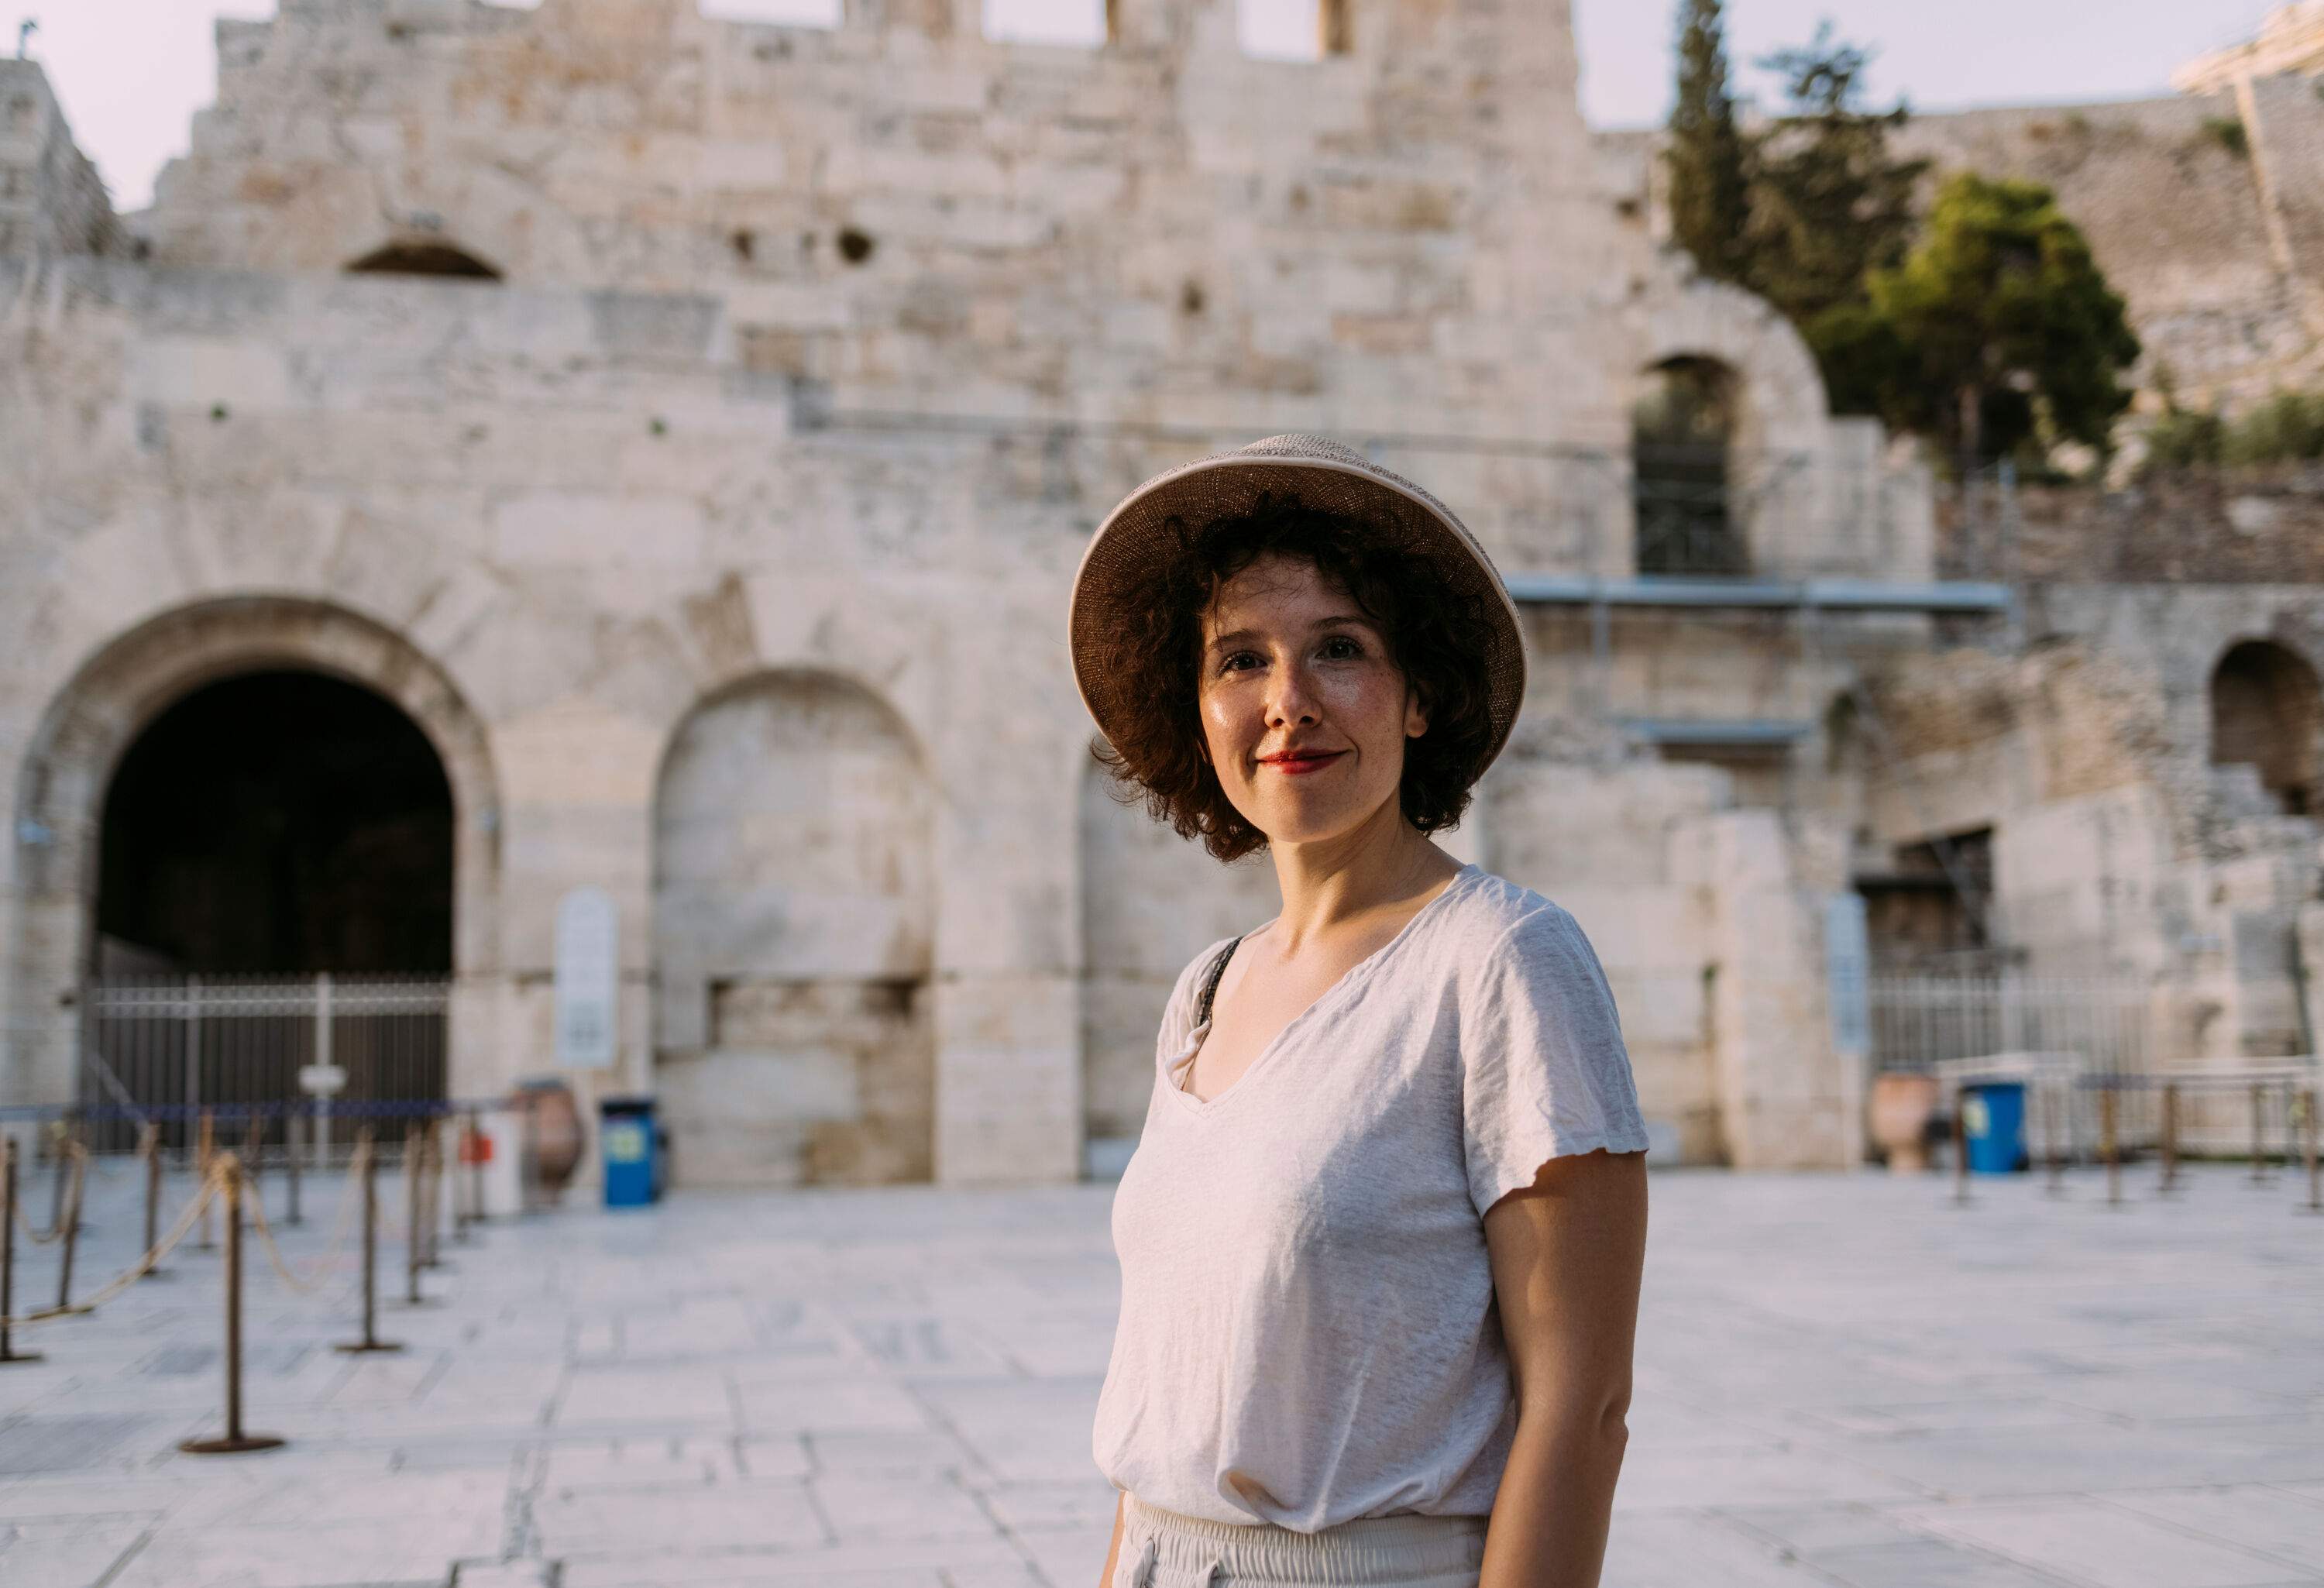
(588, 975)
(322, 1080)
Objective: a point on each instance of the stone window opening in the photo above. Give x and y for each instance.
(1085, 24)
(424, 259)
(2267, 713)
(1294, 30)
(1682, 465)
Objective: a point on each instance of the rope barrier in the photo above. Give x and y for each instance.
(322, 1260)
(122, 1281)
(56, 1232)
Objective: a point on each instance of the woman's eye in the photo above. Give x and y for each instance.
(1228, 663)
(1340, 646)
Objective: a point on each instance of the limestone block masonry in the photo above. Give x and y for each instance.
(692, 427)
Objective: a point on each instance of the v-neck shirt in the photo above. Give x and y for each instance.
(1308, 1330)
(1181, 1084)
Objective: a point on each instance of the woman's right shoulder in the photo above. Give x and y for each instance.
(1178, 1014)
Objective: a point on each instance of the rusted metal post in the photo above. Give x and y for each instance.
(2054, 1105)
(413, 1232)
(2169, 1181)
(72, 1232)
(8, 1353)
(2307, 1128)
(61, 1133)
(1961, 1148)
(463, 1211)
(2259, 1133)
(369, 1160)
(431, 1193)
(149, 1147)
(2106, 1141)
(290, 1170)
(204, 1157)
(236, 1442)
(253, 1155)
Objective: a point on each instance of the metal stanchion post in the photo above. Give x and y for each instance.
(253, 1156)
(2169, 1181)
(463, 1151)
(2308, 1127)
(414, 1232)
(61, 1134)
(2259, 1134)
(72, 1233)
(477, 1141)
(2106, 1141)
(204, 1157)
(149, 1147)
(235, 1441)
(1960, 1149)
(431, 1192)
(8, 1353)
(370, 1167)
(2054, 1105)
(290, 1169)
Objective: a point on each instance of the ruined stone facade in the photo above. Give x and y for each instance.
(692, 427)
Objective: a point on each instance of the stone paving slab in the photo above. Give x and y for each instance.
(1842, 1383)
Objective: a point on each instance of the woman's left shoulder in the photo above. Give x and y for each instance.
(1503, 916)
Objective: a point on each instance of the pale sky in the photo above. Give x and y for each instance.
(131, 73)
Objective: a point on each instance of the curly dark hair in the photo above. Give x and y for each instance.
(1436, 636)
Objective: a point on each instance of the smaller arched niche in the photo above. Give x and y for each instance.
(2267, 713)
(423, 259)
(1683, 470)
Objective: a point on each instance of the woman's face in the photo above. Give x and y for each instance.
(1304, 714)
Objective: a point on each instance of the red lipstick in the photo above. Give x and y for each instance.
(1296, 761)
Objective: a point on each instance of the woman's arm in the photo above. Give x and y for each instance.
(1567, 1252)
(1115, 1549)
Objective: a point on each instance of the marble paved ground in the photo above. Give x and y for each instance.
(1841, 1382)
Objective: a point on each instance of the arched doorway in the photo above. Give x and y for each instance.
(107, 874)
(275, 854)
(794, 921)
(277, 822)
(2267, 713)
(1683, 479)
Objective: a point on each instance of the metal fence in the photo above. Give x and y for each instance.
(2106, 1023)
(183, 1043)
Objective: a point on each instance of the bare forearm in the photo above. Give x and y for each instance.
(1113, 1549)
(1556, 1501)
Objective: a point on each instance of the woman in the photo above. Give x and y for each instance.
(1381, 1238)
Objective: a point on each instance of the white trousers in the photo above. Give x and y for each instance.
(1164, 1550)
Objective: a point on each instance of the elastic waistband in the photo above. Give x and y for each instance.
(1368, 1549)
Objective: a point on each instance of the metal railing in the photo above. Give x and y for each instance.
(1920, 1020)
(180, 1044)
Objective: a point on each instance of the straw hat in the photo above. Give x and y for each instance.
(1326, 476)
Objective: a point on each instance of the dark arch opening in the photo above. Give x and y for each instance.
(1681, 433)
(423, 259)
(2267, 711)
(277, 821)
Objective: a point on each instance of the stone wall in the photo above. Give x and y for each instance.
(52, 199)
(2174, 213)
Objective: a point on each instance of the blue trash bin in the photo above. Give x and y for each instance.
(625, 1138)
(1993, 1120)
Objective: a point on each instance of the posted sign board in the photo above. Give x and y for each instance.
(588, 975)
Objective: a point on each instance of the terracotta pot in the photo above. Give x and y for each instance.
(1903, 1104)
(553, 1129)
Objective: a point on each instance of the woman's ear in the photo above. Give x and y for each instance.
(1416, 713)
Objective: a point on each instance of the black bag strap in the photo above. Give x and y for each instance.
(1211, 982)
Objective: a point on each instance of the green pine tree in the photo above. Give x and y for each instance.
(1998, 329)
(1707, 155)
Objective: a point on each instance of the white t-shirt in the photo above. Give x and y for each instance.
(1308, 1329)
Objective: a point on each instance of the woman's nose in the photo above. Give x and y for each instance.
(1291, 699)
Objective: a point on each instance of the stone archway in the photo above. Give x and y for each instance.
(91, 724)
(2267, 713)
(794, 906)
(1686, 509)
